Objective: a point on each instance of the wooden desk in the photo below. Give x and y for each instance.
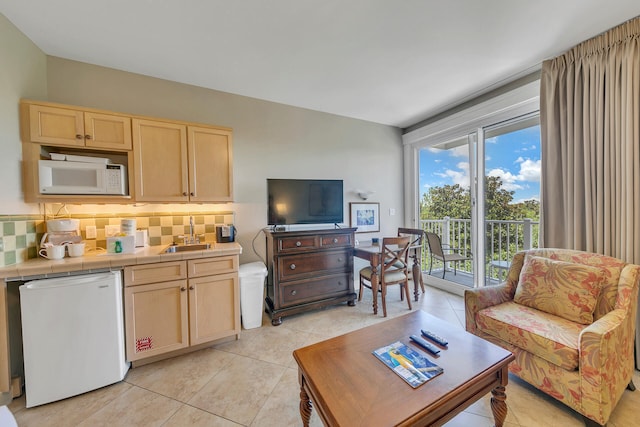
(349, 386)
(373, 254)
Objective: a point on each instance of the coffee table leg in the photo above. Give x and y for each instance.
(305, 407)
(498, 405)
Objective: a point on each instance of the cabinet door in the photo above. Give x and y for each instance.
(107, 131)
(214, 307)
(56, 126)
(156, 319)
(160, 157)
(210, 165)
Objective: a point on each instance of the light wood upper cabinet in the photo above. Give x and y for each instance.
(161, 163)
(181, 163)
(107, 131)
(77, 128)
(210, 162)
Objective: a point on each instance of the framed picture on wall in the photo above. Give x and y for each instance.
(365, 216)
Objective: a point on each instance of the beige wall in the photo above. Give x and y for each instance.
(23, 72)
(270, 140)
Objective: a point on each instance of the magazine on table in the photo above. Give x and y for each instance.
(408, 364)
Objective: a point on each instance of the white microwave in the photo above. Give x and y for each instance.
(65, 177)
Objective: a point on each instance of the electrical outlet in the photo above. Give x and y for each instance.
(90, 232)
(111, 230)
(392, 211)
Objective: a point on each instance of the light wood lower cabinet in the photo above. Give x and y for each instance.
(175, 305)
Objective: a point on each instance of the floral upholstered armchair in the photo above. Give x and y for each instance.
(569, 319)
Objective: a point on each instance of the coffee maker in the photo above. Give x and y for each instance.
(61, 231)
(225, 233)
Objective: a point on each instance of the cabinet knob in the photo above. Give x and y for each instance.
(87, 137)
(298, 244)
(191, 288)
(294, 292)
(339, 259)
(292, 266)
(78, 136)
(192, 194)
(182, 289)
(335, 240)
(184, 193)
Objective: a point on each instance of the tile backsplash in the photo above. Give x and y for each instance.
(20, 235)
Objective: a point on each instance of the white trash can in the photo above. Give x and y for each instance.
(252, 277)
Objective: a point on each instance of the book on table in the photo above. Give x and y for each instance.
(410, 365)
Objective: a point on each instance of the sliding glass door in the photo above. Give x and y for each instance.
(446, 209)
(480, 193)
(511, 174)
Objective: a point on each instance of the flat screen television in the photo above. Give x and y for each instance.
(305, 201)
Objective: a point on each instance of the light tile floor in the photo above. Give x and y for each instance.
(253, 381)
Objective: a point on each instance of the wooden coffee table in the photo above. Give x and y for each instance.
(349, 386)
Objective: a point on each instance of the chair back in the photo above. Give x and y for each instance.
(435, 244)
(395, 251)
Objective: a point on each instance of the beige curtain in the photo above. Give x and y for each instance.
(590, 132)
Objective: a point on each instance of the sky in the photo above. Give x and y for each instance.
(514, 157)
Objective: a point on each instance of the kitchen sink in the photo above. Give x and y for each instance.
(187, 248)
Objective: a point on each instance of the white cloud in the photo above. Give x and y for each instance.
(509, 180)
(529, 172)
(460, 177)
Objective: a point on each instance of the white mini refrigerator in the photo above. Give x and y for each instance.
(73, 335)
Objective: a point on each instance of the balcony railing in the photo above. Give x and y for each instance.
(502, 240)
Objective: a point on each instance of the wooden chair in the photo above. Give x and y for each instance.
(393, 270)
(436, 251)
(415, 252)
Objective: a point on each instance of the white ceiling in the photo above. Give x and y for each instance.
(386, 61)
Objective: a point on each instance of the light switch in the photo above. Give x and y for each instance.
(392, 211)
(90, 232)
(111, 230)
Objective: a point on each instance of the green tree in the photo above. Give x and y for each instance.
(453, 201)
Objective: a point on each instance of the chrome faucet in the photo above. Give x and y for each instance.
(192, 238)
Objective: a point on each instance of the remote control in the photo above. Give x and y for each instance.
(424, 344)
(434, 337)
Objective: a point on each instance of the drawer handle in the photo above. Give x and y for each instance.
(292, 266)
(182, 289)
(294, 292)
(335, 240)
(298, 244)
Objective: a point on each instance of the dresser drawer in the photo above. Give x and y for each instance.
(300, 292)
(336, 241)
(304, 265)
(299, 243)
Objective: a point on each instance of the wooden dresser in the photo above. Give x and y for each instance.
(308, 270)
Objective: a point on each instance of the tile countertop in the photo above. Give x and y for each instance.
(93, 261)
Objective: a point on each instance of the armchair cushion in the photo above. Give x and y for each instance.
(565, 289)
(547, 336)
